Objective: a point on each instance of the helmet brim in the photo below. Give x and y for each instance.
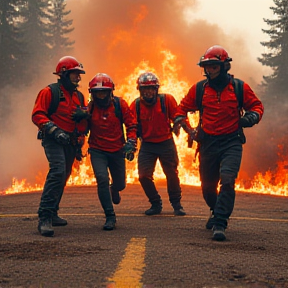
(96, 89)
(79, 70)
(205, 62)
(212, 61)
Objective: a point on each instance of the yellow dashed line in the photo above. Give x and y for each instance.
(130, 269)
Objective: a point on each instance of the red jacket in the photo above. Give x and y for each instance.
(62, 116)
(155, 125)
(220, 112)
(106, 132)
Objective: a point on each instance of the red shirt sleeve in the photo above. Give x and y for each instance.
(187, 104)
(251, 101)
(41, 106)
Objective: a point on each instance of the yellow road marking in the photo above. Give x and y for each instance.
(142, 215)
(130, 270)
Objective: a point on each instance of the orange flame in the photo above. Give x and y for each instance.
(82, 174)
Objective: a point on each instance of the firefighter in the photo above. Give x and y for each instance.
(107, 146)
(62, 136)
(220, 134)
(154, 113)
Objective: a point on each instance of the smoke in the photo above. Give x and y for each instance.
(113, 37)
(21, 155)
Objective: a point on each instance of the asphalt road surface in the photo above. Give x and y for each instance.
(143, 251)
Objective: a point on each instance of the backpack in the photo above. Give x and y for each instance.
(238, 88)
(117, 106)
(137, 104)
(57, 97)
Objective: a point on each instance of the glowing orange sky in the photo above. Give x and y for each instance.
(114, 36)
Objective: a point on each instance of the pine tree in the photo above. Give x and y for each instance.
(274, 97)
(10, 45)
(277, 57)
(10, 51)
(60, 27)
(35, 28)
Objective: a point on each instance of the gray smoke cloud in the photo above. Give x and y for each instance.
(114, 37)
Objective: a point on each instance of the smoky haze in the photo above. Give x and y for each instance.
(114, 37)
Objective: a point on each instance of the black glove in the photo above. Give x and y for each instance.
(80, 114)
(191, 136)
(79, 154)
(249, 119)
(129, 149)
(130, 156)
(129, 146)
(61, 137)
(177, 125)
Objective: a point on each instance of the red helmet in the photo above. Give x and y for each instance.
(147, 79)
(214, 55)
(101, 81)
(68, 63)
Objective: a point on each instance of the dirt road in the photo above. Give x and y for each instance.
(144, 251)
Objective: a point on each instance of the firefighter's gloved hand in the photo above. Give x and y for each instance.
(249, 119)
(79, 154)
(177, 125)
(52, 130)
(129, 149)
(130, 156)
(61, 137)
(80, 114)
(129, 146)
(191, 136)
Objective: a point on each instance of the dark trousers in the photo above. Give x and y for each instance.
(103, 163)
(220, 159)
(166, 152)
(60, 160)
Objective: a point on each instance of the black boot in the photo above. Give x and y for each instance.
(179, 212)
(45, 227)
(178, 209)
(218, 233)
(110, 222)
(210, 222)
(58, 221)
(155, 209)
